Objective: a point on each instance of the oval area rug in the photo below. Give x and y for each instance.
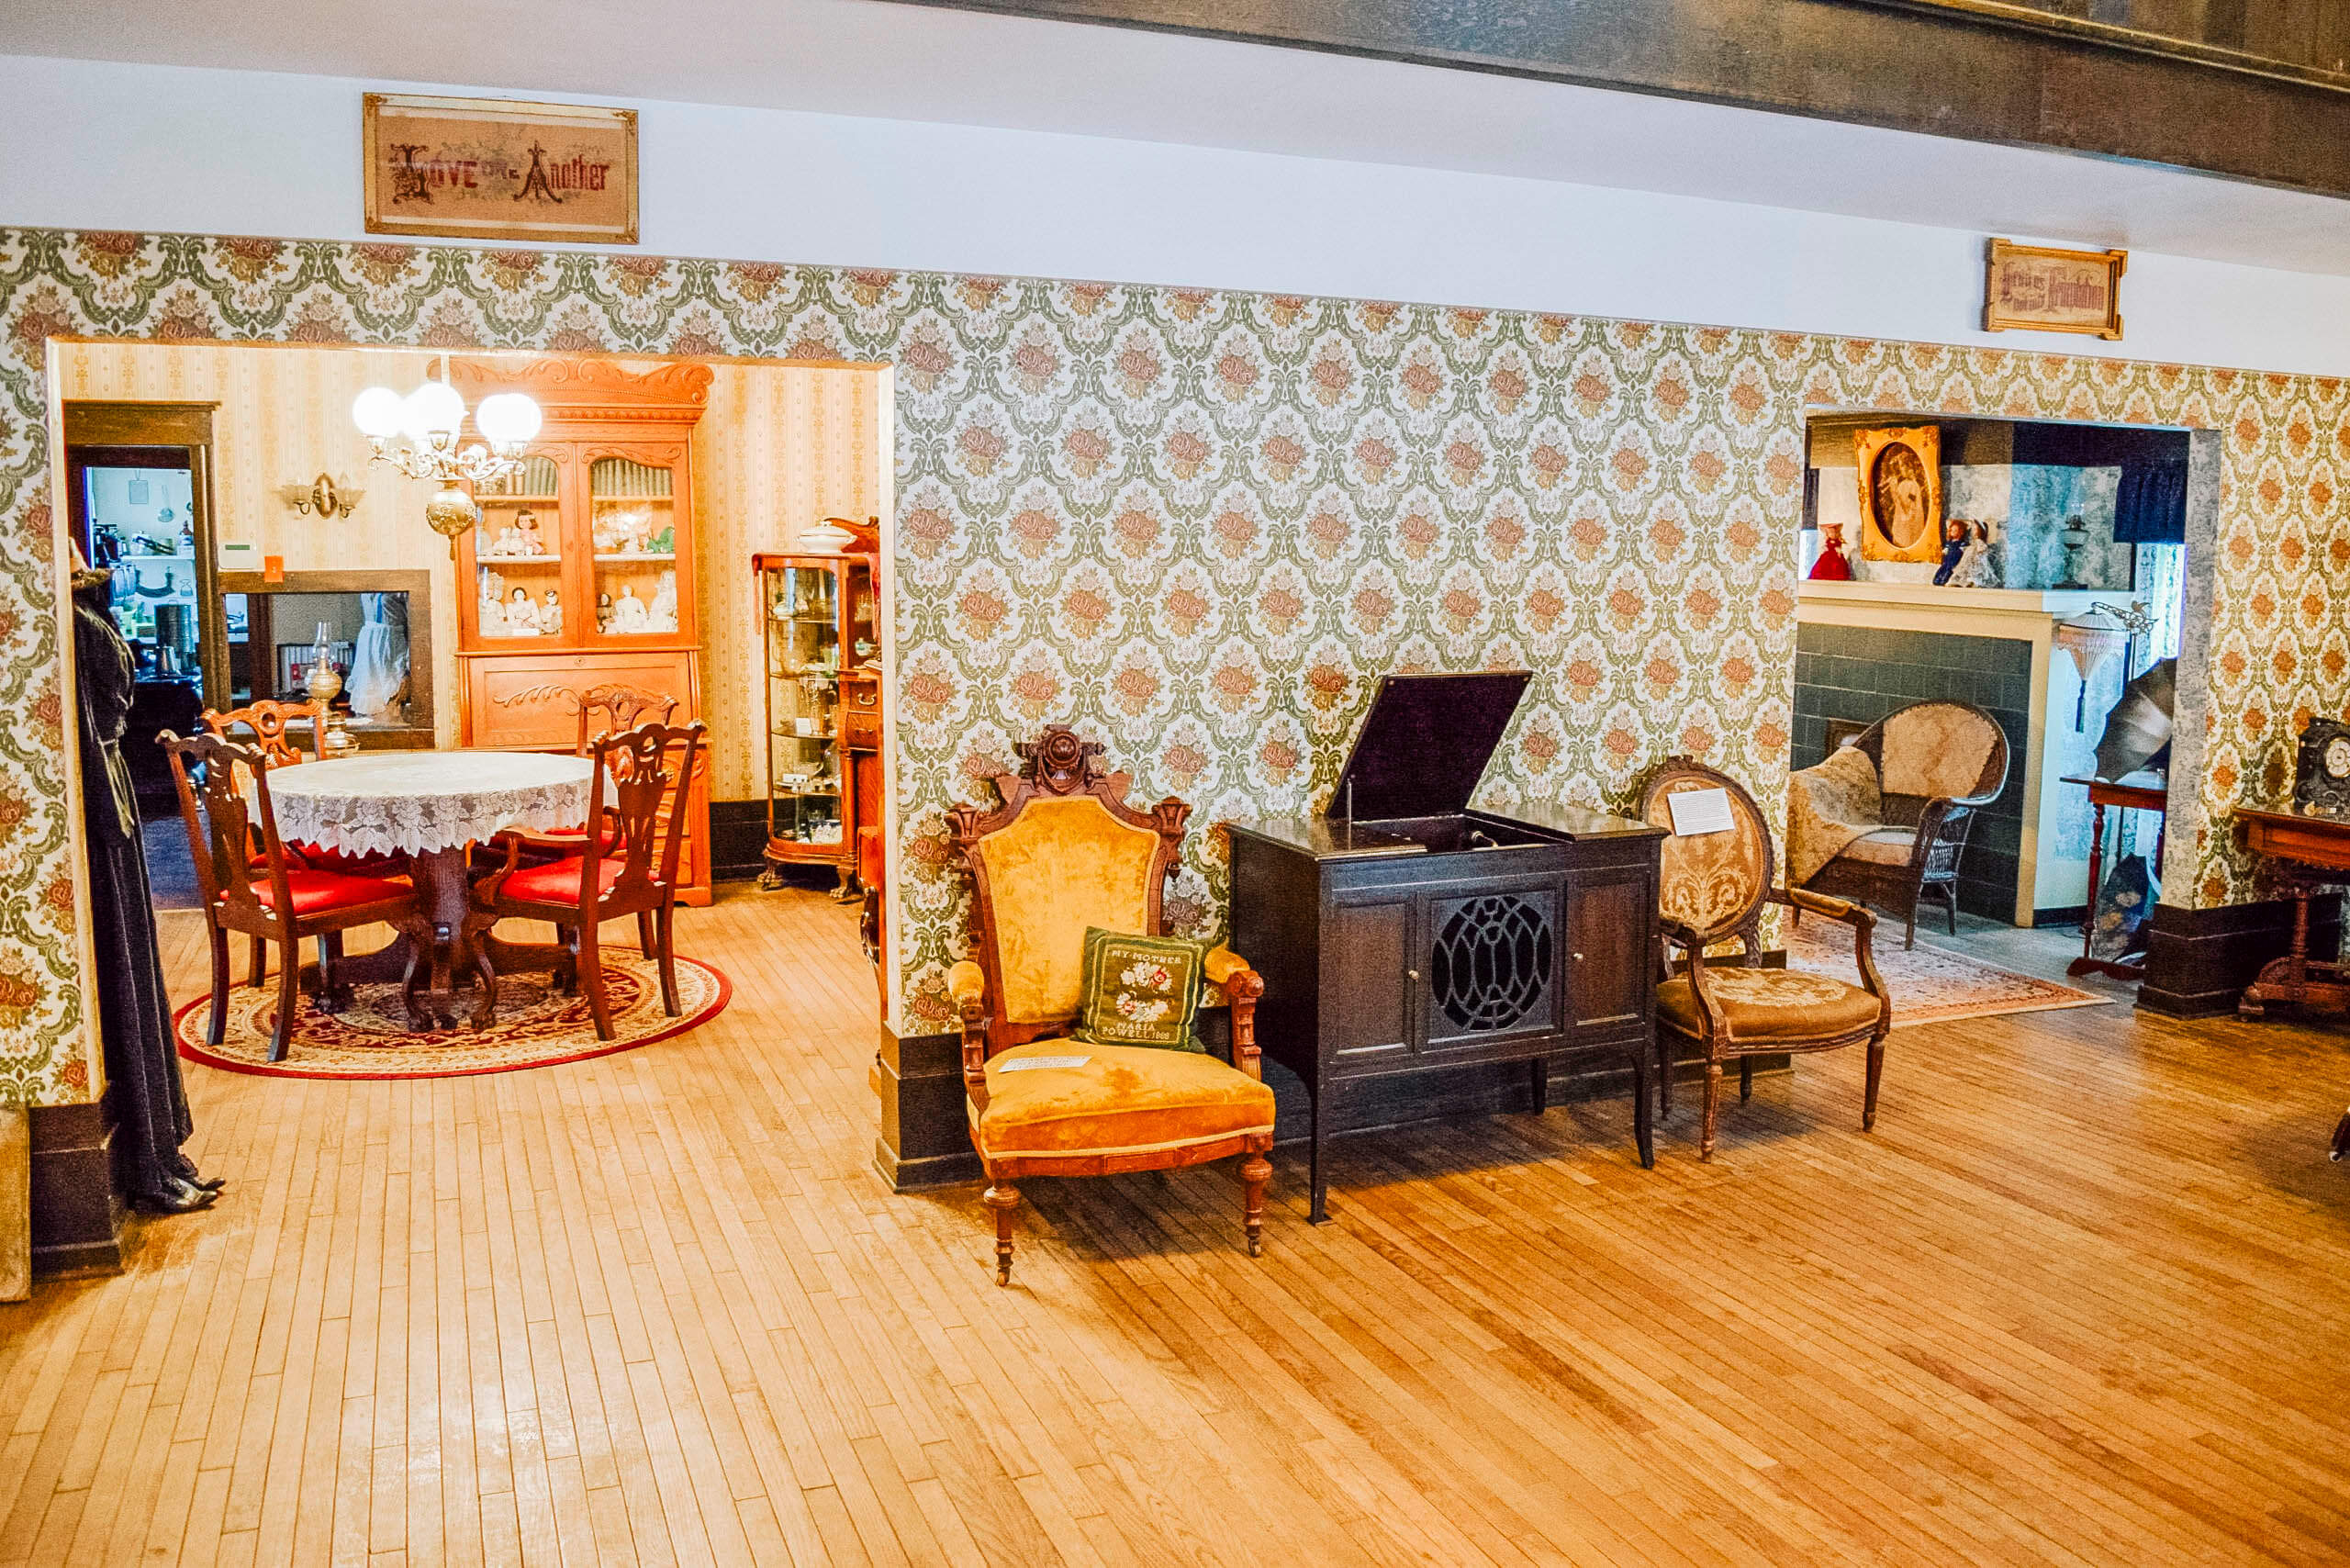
(536, 1027)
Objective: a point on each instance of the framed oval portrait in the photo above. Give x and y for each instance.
(1901, 492)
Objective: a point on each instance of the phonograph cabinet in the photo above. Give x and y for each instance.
(1402, 934)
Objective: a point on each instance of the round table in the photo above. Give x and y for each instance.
(430, 806)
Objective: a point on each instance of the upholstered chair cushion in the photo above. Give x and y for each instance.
(1121, 1100)
(1062, 865)
(1789, 1005)
(1139, 991)
(1885, 846)
(557, 881)
(1936, 748)
(1708, 881)
(318, 892)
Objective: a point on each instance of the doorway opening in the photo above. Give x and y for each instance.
(1990, 617)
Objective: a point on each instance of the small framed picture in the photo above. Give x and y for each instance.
(2035, 289)
(1901, 492)
(495, 169)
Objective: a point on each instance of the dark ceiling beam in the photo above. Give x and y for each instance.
(1973, 69)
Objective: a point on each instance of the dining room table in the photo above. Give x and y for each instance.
(432, 806)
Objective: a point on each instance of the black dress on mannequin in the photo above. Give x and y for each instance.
(134, 1013)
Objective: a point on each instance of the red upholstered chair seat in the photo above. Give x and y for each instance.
(556, 882)
(316, 892)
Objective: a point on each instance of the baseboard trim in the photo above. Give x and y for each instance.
(77, 1219)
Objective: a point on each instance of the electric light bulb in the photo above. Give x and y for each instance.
(377, 412)
(507, 420)
(433, 408)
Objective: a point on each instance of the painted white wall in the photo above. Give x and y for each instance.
(89, 144)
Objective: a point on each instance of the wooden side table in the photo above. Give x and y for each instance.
(2104, 792)
(2310, 852)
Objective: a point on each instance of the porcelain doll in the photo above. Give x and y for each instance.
(551, 614)
(521, 616)
(492, 614)
(1831, 567)
(627, 612)
(664, 614)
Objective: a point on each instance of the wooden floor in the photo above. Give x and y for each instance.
(2083, 1297)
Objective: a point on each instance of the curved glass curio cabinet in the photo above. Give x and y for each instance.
(824, 709)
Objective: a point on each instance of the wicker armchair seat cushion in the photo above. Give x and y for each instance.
(1124, 1100)
(1885, 846)
(1757, 1004)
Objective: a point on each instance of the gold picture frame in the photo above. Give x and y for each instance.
(499, 169)
(1901, 492)
(2036, 289)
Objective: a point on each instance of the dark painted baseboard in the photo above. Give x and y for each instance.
(77, 1219)
(738, 840)
(2198, 961)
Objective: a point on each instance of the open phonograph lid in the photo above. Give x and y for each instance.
(1424, 743)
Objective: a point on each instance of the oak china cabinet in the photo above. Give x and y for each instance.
(823, 707)
(581, 571)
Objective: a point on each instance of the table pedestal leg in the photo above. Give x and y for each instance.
(447, 944)
(2297, 978)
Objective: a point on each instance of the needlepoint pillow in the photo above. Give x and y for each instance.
(1140, 990)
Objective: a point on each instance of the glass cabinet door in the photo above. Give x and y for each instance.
(633, 518)
(518, 553)
(803, 664)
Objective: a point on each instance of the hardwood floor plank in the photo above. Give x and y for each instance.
(2077, 1302)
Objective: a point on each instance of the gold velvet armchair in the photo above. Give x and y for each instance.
(1711, 891)
(1062, 853)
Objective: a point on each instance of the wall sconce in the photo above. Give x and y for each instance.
(326, 495)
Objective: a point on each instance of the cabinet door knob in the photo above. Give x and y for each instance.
(1578, 957)
(1412, 974)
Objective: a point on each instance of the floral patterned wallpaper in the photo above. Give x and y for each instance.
(1198, 523)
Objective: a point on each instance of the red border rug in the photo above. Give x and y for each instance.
(536, 1027)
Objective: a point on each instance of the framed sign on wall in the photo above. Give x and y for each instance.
(493, 169)
(2032, 289)
(1901, 492)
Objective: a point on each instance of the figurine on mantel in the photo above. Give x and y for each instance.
(1831, 567)
(1964, 554)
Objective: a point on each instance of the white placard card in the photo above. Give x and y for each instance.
(1699, 811)
(1037, 1064)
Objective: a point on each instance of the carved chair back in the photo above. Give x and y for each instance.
(615, 706)
(1711, 887)
(1063, 852)
(235, 820)
(637, 777)
(267, 720)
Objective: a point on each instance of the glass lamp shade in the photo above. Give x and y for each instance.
(433, 409)
(377, 412)
(507, 420)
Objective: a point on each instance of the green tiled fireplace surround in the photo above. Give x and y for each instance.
(1860, 673)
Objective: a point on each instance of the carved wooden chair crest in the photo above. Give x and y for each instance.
(1064, 852)
(1712, 889)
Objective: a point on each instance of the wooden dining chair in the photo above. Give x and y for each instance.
(619, 707)
(288, 900)
(270, 724)
(643, 773)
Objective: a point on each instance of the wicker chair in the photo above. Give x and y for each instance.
(1932, 766)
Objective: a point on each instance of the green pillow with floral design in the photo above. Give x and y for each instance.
(1140, 990)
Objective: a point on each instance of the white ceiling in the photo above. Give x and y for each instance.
(914, 62)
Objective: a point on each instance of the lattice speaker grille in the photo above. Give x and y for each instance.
(1492, 963)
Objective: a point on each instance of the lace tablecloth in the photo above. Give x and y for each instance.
(413, 801)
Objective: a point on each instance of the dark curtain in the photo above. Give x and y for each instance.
(2151, 508)
(134, 1013)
